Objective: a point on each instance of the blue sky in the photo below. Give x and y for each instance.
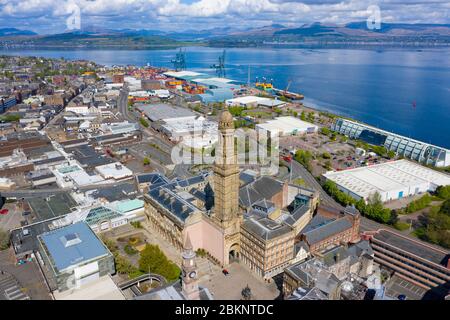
(49, 16)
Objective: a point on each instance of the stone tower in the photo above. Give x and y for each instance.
(226, 187)
(226, 173)
(189, 278)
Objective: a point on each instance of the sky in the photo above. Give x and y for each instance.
(52, 16)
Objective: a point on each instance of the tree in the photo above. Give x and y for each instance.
(325, 131)
(304, 157)
(153, 260)
(146, 161)
(391, 154)
(303, 116)
(326, 155)
(443, 192)
(4, 239)
(144, 122)
(445, 208)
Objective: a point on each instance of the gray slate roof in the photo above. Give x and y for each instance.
(326, 230)
(265, 228)
(262, 188)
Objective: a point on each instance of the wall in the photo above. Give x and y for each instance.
(204, 234)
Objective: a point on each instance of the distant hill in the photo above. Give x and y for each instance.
(96, 39)
(393, 34)
(314, 34)
(7, 32)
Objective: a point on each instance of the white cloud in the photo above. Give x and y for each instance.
(214, 13)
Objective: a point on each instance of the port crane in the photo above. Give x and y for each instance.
(179, 63)
(288, 86)
(220, 67)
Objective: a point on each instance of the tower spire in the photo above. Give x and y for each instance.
(189, 280)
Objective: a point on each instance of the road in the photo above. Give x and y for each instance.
(159, 149)
(33, 193)
(298, 171)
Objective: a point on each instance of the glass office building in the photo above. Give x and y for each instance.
(403, 146)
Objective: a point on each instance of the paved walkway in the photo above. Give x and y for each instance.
(229, 287)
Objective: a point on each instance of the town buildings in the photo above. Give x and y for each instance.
(423, 265)
(332, 272)
(72, 256)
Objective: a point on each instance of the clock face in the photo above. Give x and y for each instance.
(193, 274)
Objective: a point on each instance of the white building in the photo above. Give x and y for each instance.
(187, 129)
(287, 126)
(253, 101)
(392, 180)
(72, 175)
(116, 171)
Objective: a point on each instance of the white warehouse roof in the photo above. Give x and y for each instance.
(395, 176)
(287, 125)
(178, 74)
(114, 170)
(245, 100)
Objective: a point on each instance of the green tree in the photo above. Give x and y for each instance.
(303, 116)
(153, 259)
(325, 131)
(304, 157)
(146, 161)
(326, 155)
(443, 192)
(391, 154)
(144, 122)
(445, 208)
(4, 239)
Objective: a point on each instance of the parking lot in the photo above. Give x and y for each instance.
(26, 278)
(10, 288)
(12, 219)
(397, 286)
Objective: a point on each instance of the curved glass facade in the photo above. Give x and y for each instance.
(403, 146)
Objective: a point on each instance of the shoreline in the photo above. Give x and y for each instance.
(305, 104)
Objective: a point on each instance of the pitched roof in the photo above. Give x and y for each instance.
(262, 188)
(265, 228)
(326, 230)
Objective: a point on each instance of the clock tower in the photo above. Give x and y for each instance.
(189, 278)
(226, 214)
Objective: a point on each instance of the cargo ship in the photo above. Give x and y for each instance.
(289, 95)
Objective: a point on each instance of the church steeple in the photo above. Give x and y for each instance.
(189, 279)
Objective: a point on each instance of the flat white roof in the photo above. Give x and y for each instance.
(177, 74)
(286, 124)
(114, 170)
(385, 177)
(246, 99)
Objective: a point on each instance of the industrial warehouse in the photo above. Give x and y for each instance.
(285, 126)
(392, 180)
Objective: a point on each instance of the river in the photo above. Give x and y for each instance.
(403, 91)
